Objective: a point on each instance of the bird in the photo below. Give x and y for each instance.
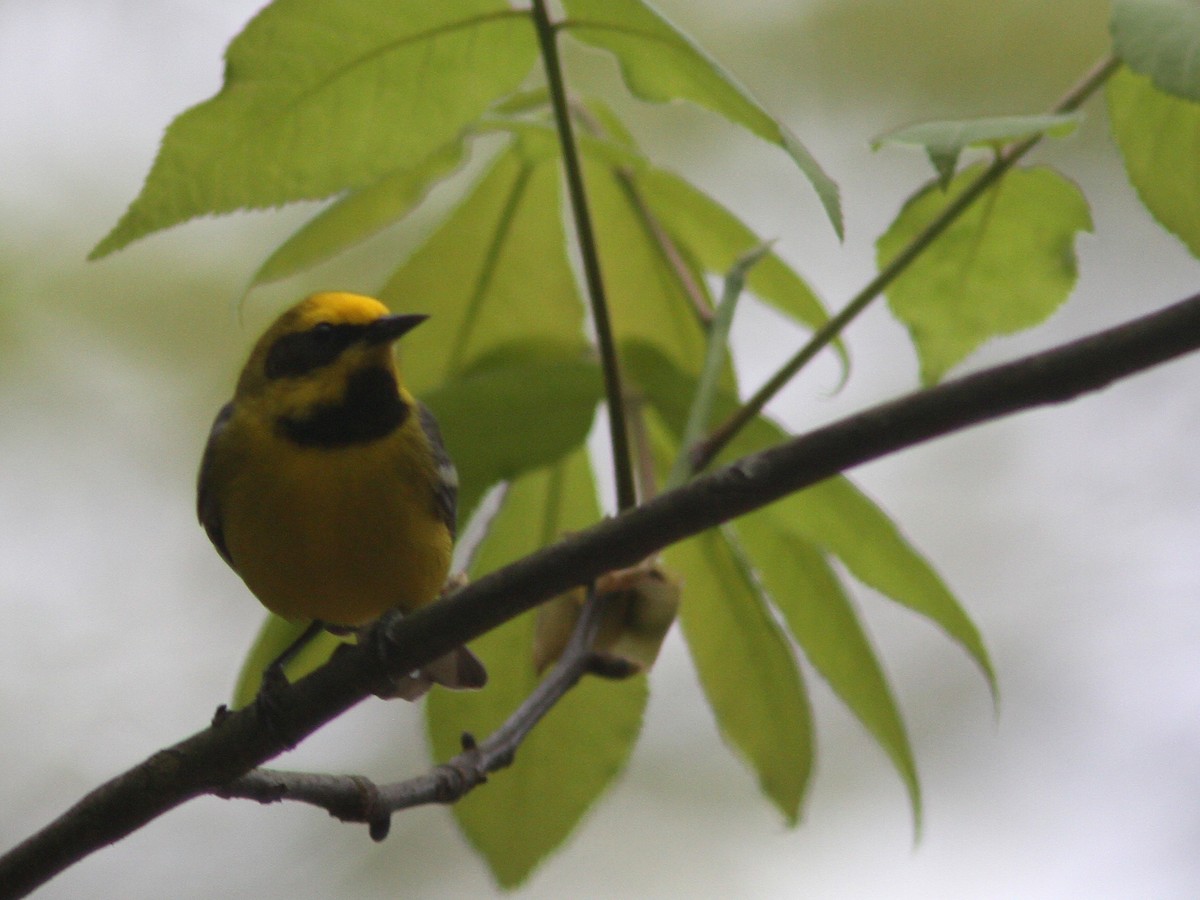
(325, 485)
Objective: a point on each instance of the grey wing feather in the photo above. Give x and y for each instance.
(206, 501)
(445, 490)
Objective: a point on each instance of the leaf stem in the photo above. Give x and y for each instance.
(706, 451)
(619, 435)
(714, 360)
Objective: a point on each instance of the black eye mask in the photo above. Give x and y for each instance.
(305, 351)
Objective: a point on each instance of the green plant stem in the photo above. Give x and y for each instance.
(706, 451)
(619, 434)
(714, 360)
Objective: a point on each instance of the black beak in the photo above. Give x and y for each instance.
(391, 328)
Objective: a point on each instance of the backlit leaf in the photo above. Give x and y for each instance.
(823, 621)
(1005, 265)
(716, 238)
(659, 63)
(494, 418)
(525, 811)
(746, 667)
(837, 517)
(647, 298)
(494, 272)
(358, 215)
(1160, 39)
(1159, 137)
(323, 97)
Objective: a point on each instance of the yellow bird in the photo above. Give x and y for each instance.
(325, 484)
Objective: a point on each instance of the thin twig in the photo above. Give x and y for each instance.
(705, 452)
(240, 741)
(618, 436)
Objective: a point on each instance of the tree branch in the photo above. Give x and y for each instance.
(353, 798)
(238, 742)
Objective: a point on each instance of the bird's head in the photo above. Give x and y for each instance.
(311, 352)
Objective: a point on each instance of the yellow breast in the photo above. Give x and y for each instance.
(340, 534)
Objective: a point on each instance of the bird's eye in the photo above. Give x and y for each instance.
(322, 331)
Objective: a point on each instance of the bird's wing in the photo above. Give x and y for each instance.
(206, 500)
(445, 488)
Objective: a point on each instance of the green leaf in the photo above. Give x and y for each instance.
(1005, 265)
(494, 272)
(659, 63)
(1160, 39)
(670, 390)
(822, 619)
(494, 416)
(275, 636)
(833, 515)
(716, 238)
(746, 667)
(944, 142)
(359, 215)
(667, 234)
(838, 518)
(1159, 137)
(521, 102)
(527, 810)
(322, 97)
(646, 296)
(743, 659)
(601, 122)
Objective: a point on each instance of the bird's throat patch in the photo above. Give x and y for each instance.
(370, 409)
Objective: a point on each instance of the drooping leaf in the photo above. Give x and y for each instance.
(494, 272)
(659, 63)
(823, 621)
(944, 142)
(833, 515)
(1159, 137)
(343, 93)
(743, 659)
(525, 811)
(838, 518)
(1005, 265)
(522, 406)
(746, 667)
(358, 215)
(1160, 39)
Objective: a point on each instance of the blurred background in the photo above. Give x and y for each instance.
(1068, 533)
